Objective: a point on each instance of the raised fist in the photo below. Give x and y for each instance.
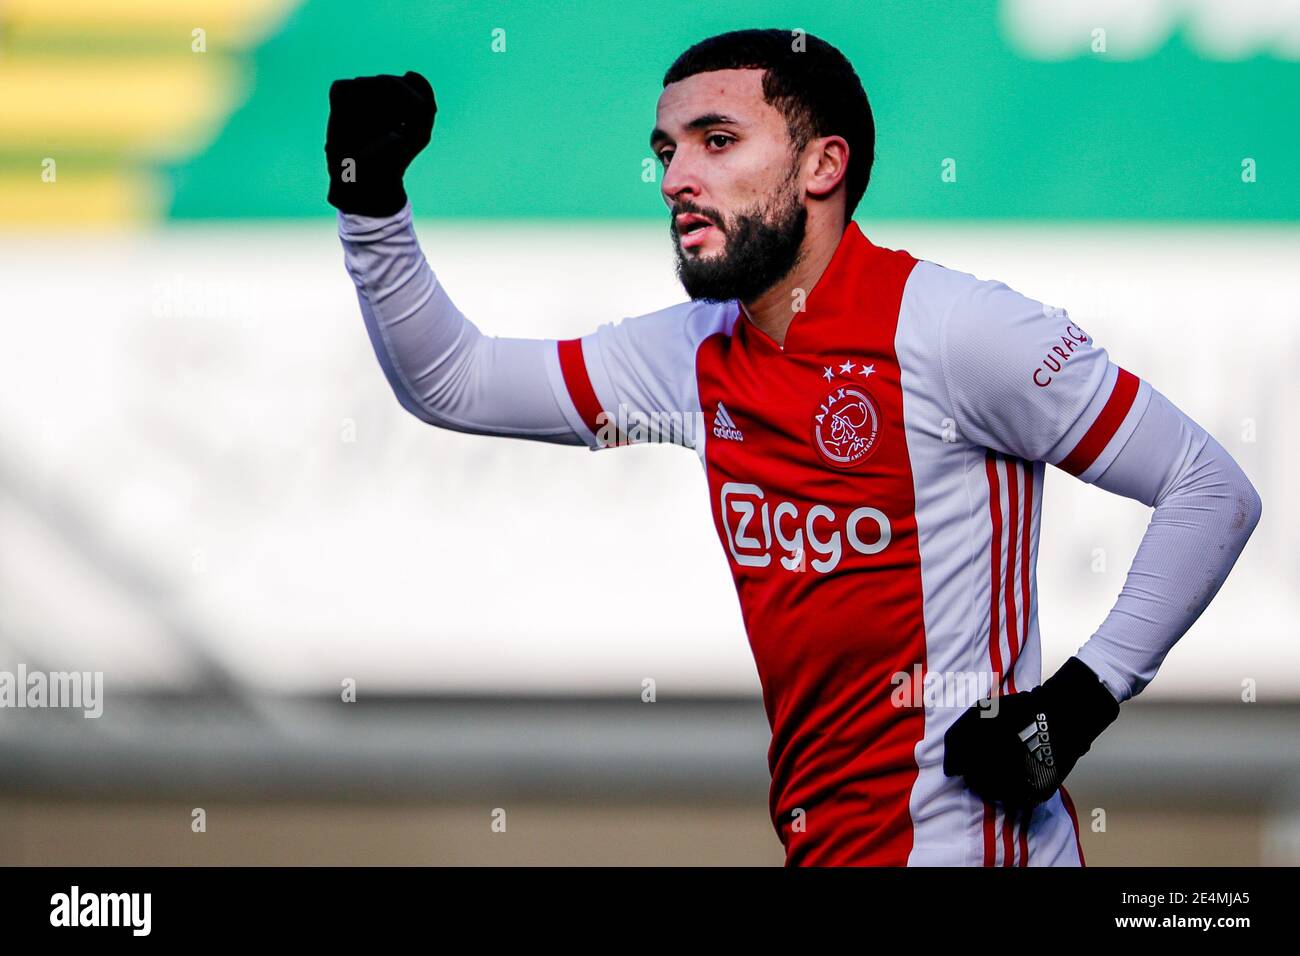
(377, 125)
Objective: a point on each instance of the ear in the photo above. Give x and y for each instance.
(827, 162)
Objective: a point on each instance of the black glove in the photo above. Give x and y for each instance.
(1021, 756)
(377, 125)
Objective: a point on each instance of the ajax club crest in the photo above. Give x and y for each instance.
(846, 425)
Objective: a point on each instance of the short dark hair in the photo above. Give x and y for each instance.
(815, 88)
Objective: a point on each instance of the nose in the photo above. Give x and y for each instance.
(679, 182)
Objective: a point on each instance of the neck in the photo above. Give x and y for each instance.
(774, 310)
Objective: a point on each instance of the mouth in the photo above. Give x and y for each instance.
(693, 230)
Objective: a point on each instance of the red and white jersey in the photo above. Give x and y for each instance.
(876, 484)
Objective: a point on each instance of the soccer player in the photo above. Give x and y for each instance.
(874, 429)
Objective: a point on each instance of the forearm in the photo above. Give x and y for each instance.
(441, 367)
(1205, 511)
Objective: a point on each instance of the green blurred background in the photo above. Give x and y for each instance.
(545, 107)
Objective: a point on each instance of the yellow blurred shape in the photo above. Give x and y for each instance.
(129, 108)
(227, 22)
(84, 199)
(158, 107)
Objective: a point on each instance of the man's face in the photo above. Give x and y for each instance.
(732, 185)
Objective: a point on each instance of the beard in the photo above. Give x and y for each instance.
(762, 245)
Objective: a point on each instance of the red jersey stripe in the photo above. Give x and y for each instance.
(1013, 510)
(574, 368)
(1024, 838)
(1074, 818)
(990, 840)
(1104, 428)
(1026, 548)
(1008, 835)
(995, 628)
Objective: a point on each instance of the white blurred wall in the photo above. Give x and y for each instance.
(202, 466)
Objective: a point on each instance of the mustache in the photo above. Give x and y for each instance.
(712, 215)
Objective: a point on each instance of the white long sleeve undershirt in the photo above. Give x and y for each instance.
(443, 369)
(1205, 510)
(448, 373)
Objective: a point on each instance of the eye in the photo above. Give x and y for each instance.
(665, 156)
(714, 137)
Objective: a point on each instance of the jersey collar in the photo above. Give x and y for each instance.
(829, 301)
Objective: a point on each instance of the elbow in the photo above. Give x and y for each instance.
(1249, 508)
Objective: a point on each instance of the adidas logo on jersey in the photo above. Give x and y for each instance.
(724, 427)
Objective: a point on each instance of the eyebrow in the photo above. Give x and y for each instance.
(702, 121)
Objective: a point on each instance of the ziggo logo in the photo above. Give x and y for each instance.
(741, 503)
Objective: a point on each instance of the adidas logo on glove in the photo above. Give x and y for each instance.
(1039, 741)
